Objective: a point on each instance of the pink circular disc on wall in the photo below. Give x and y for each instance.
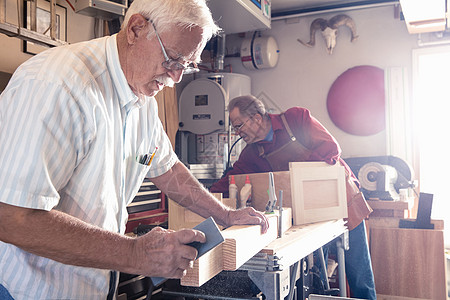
(356, 101)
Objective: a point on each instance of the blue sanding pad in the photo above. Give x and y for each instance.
(213, 239)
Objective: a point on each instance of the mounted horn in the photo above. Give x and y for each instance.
(317, 24)
(344, 20)
(329, 30)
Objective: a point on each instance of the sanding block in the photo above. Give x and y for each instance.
(213, 239)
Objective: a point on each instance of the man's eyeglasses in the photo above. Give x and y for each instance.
(239, 127)
(172, 64)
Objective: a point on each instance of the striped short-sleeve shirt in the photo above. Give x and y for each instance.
(70, 132)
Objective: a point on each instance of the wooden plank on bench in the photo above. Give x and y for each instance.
(241, 243)
(244, 241)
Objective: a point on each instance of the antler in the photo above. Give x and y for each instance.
(344, 20)
(318, 23)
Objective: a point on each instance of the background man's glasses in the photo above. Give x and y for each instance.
(238, 128)
(172, 64)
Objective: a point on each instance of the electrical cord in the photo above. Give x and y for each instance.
(229, 156)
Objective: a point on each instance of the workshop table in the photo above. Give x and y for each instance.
(274, 269)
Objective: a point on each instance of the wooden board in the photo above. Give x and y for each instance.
(171, 113)
(286, 219)
(181, 217)
(301, 240)
(244, 241)
(397, 205)
(205, 268)
(409, 262)
(260, 185)
(168, 111)
(394, 223)
(229, 202)
(395, 209)
(318, 192)
(241, 243)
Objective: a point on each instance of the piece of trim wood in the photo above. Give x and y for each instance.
(205, 268)
(396, 205)
(286, 219)
(301, 240)
(394, 223)
(393, 209)
(244, 241)
(318, 192)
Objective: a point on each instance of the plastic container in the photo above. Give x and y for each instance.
(259, 53)
(246, 193)
(233, 191)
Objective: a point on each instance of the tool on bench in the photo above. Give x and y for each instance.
(280, 217)
(272, 201)
(272, 196)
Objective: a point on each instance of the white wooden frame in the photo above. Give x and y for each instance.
(43, 23)
(318, 192)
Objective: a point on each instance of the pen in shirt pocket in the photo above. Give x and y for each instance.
(153, 155)
(146, 159)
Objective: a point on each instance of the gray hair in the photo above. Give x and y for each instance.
(185, 13)
(248, 105)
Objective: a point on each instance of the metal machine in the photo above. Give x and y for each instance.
(383, 177)
(205, 134)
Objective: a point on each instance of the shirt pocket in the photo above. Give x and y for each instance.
(136, 173)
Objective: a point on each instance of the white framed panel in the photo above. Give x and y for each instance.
(318, 192)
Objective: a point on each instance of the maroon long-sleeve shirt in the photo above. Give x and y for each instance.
(308, 131)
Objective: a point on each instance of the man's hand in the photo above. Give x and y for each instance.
(164, 253)
(248, 216)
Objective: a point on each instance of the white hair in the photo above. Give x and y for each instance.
(184, 13)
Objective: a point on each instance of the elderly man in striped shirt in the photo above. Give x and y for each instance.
(73, 121)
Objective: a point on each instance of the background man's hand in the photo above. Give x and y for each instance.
(248, 216)
(164, 253)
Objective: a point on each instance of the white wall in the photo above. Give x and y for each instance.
(79, 28)
(304, 75)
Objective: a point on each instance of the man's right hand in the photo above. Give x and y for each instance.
(164, 253)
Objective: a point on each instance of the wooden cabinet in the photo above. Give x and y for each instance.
(168, 111)
(235, 16)
(407, 263)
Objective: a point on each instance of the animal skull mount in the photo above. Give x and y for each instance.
(329, 30)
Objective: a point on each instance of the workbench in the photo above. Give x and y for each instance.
(284, 255)
(276, 268)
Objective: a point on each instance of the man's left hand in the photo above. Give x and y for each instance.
(248, 216)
